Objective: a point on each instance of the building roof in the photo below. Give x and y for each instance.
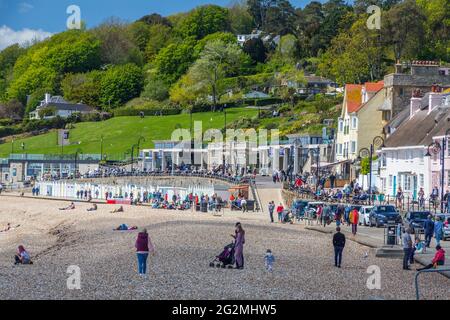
(421, 128)
(374, 86)
(67, 106)
(353, 97)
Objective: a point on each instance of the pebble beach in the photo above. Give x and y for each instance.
(186, 242)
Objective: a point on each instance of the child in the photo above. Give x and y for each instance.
(269, 259)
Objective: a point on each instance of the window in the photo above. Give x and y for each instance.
(390, 180)
(340, 148)
(407, 182)
(421, 180)
(354, 122)
(353, 147)
(341, 125)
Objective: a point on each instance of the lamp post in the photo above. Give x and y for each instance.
(141, 138)
(316, 152)
(132, 155)
(378, 142)
(435, 148)
(22, 145)
(101, 148)
(224, 137)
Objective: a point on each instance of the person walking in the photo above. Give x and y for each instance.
(239, 242)
(280, 209)
(407, 247)
(438, 230)
(244, 205)
(347, 214)
(338, 244)
(143, 247)
(326, 215)
(354, 220)
(421, 198)
(271, 209)
(428, 227)
(339, 214)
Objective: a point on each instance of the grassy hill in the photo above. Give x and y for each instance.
(120, 133)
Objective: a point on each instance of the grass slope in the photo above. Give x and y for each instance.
(121, 133)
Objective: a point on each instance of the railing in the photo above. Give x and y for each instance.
(56, 157)
(405, 204)
(425, 271)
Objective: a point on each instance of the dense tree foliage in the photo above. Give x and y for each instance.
(120, 84)
(193, 57)
(204, 20)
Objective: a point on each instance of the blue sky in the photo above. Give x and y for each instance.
(21, 19)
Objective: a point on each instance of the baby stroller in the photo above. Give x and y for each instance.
(225, 258)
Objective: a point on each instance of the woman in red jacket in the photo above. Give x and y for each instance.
(143, 247)
(438, 260)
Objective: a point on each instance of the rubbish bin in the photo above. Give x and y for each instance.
(197, 207)
(204, 207)
(251, 205)
(391, 234)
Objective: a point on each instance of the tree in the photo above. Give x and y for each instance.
(217, 61)
(159, 36)
(172, 61)
(355, 56)
(120, 84)
(258, 10)
(204, 20)
(280, 18)
(155, 89)
(403, 29)
(437, 29)
(140, 33)
(241, 22)
(117, 46)
(13, 109)
(185, 92)
(155, 18)
(288, 47)
(83, 87)
(8, 58)
(255, 49)
(31, 80)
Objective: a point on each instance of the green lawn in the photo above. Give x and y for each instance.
(120, 133)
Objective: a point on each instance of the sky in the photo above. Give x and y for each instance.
(24, 20)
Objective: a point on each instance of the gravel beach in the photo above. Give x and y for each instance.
(185, 243)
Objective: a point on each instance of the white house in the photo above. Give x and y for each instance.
(404, 161)
(60, 107)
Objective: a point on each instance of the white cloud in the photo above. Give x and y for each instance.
(9, 36)
(24, 7)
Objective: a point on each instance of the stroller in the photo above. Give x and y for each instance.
(225, 258)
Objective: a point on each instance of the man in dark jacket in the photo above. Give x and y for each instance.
(339, 244)
(428, 227)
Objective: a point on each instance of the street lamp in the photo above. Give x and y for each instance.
(132, 155)
(378, 142)
(141, 138)
(101, 148)
(224, 137)
(434, 148)
(316, 152)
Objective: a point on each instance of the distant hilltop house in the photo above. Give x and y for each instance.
(57, 106)
(268, 39)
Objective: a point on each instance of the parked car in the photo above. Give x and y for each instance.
(416, 219)
(364, 213)
(446, 219)
(383, 214)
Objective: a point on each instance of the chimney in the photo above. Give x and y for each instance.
(47, 97)
(398, 67)
(435, 99)
(414, 106)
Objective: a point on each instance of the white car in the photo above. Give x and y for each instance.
(364, 215)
